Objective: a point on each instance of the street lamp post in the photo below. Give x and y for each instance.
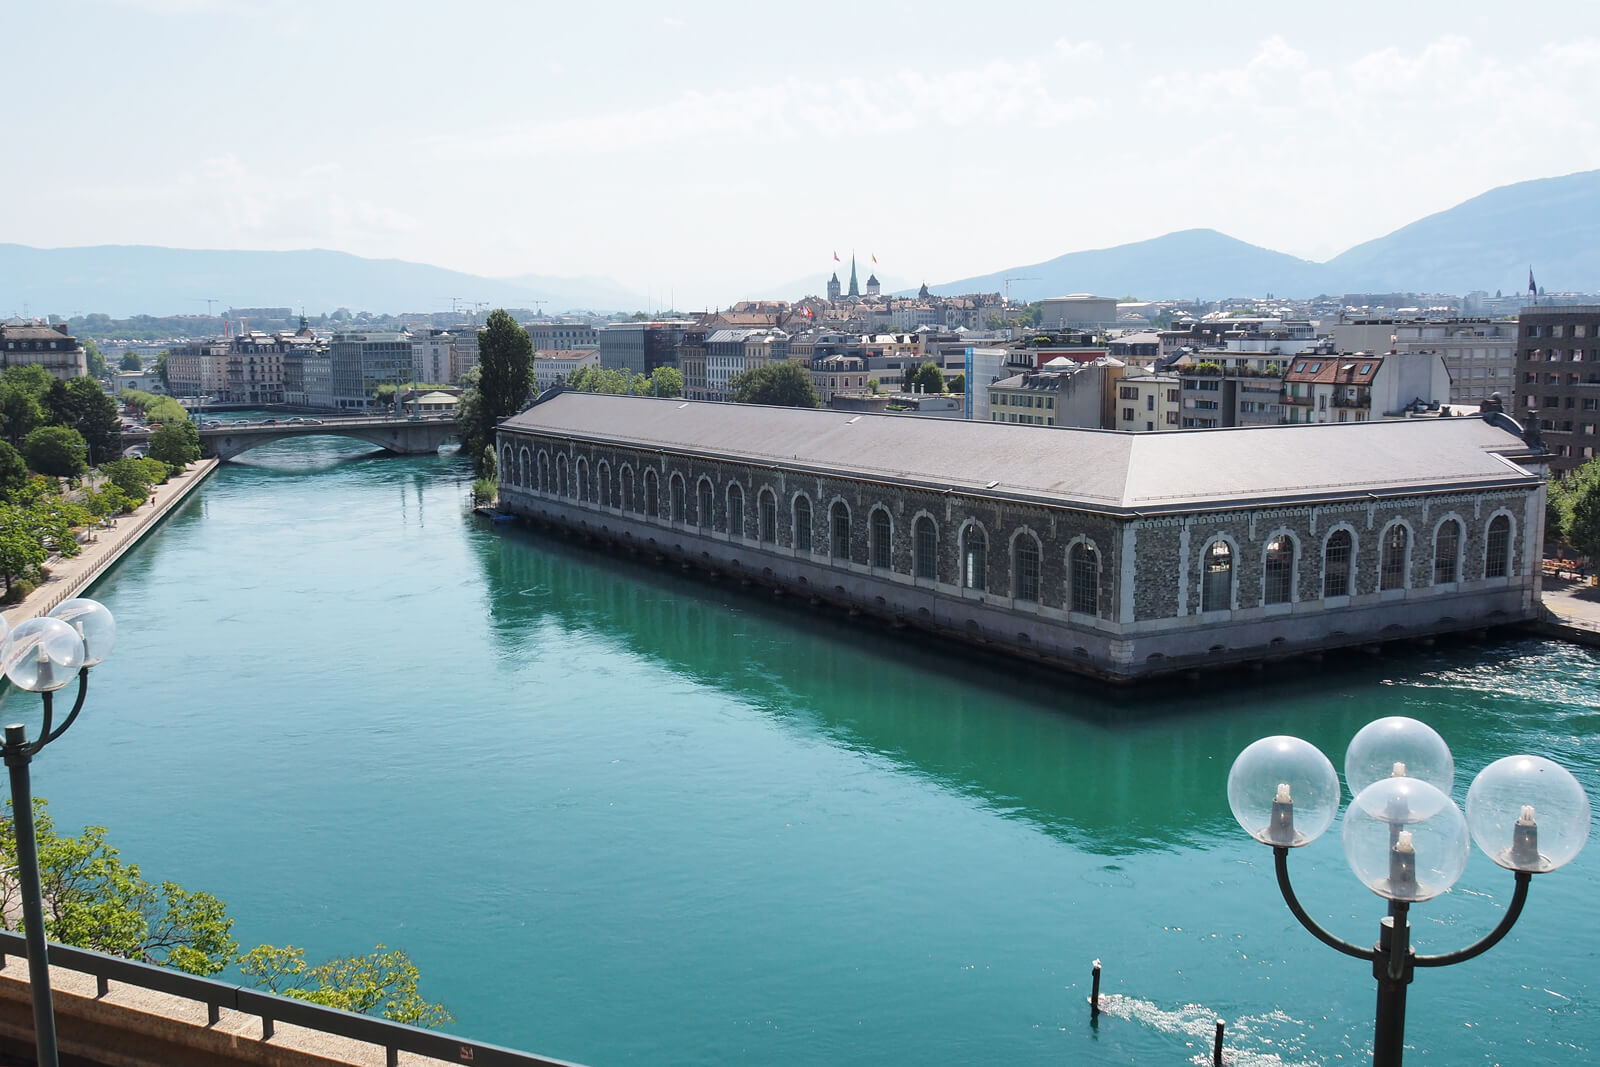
(1405, 838)
(42, 655)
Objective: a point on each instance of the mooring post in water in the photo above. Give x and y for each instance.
(1216, 1046)
(1094, 993)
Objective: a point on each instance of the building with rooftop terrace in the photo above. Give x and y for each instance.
(1117, 555)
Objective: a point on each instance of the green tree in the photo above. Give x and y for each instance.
(161, 369)
(505, 379)
(130, 361)
(13, 472)
(666, 381)
(83, 405)
(131, 476)
(384, 395)
(21, 409)
(1579, 508)
(56, 450)
(872, 386)
(177, 444)
(784, 383)
(95, 358)
(927, 378)
(383, 982)
(22, 551)
(958, 384)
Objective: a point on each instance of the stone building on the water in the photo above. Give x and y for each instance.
(1118, 555)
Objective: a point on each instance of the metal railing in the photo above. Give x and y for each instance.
(271, 1008)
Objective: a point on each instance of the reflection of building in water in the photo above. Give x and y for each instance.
(1111, 554)
(1035, 745)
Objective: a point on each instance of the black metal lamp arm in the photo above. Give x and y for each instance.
(46, 735)
(1513, 912)
(1280, 855)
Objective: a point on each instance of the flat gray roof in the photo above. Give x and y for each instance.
(1094, 469)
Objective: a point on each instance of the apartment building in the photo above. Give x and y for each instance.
(1558, 379)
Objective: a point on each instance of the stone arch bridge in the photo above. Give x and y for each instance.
(402, 436)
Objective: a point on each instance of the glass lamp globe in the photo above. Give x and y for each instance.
(1528, 813)
(43, 655)
(1405, 839)
(1385, 748)
(1283, 791)
(94, 625)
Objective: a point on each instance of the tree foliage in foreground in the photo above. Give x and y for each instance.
(784, 383)
(927, 378)
(94, 899)
(664, 381)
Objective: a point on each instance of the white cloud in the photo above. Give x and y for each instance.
(1077, 49)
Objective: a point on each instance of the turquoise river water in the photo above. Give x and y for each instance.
(617, 814)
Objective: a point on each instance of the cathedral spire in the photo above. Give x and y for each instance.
(855, 290)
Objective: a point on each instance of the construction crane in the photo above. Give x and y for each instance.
(1017, 278)
(208, 301)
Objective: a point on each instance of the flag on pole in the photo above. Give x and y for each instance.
(1531, 287)
(874, 259)
(836, 257)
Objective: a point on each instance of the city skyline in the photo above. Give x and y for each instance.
(708, 151)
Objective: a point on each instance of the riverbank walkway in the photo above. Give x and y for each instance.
(70, 577)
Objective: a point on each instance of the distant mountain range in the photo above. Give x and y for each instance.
(123, 280)
(1488, 243)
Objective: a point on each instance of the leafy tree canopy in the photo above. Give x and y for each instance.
(177, 444)
(96, 359)
(784, 383)
(503, 384)
(130, 361)
(927, 378)
(59, 451)
(94, 899)
(13, 472)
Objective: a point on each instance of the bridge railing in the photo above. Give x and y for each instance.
(271, 1008)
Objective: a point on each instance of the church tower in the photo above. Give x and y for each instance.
(855, 290)
(872, 285)
(833, 288)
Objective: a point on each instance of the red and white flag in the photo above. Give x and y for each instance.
(836, 257)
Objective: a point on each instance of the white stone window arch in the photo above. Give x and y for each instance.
(767, 515)
(583, 478)
(1499, 544)
(1280, 567)
(733, 500)
(1394, 555)
(563, 485)
(880, 537)
(972, 540)
(603, 483)
(525, 467)
(839, 528)
(705, 502)
(1084, 564)
(925, 546)
(678, 492)
(1339, 547)
(804, 518)
(1219, 566)
(1027, 558)
(1449, 543)
(508, 464)
(544, 471)
(626, 480)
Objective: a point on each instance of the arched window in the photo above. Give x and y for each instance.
(974, 558)
(736, 509)
(680, 505)
(524, 469)
(561, 475)
(925, 547)
(839, 527)
(605, 484)
(705, 510)
(880, 534)
(1025, 567)
(1336, 553)
(583, 478)
(802, 523)
(1216, 585)
(544, 472)
(1277, 581)
(1447, 553)
(1392, 568)
(627, 490)
(767, 504)
(1497, 548)
(652, 492)
(1084, 571)
(508, 466)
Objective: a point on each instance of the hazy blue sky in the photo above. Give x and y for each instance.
(713, 149)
